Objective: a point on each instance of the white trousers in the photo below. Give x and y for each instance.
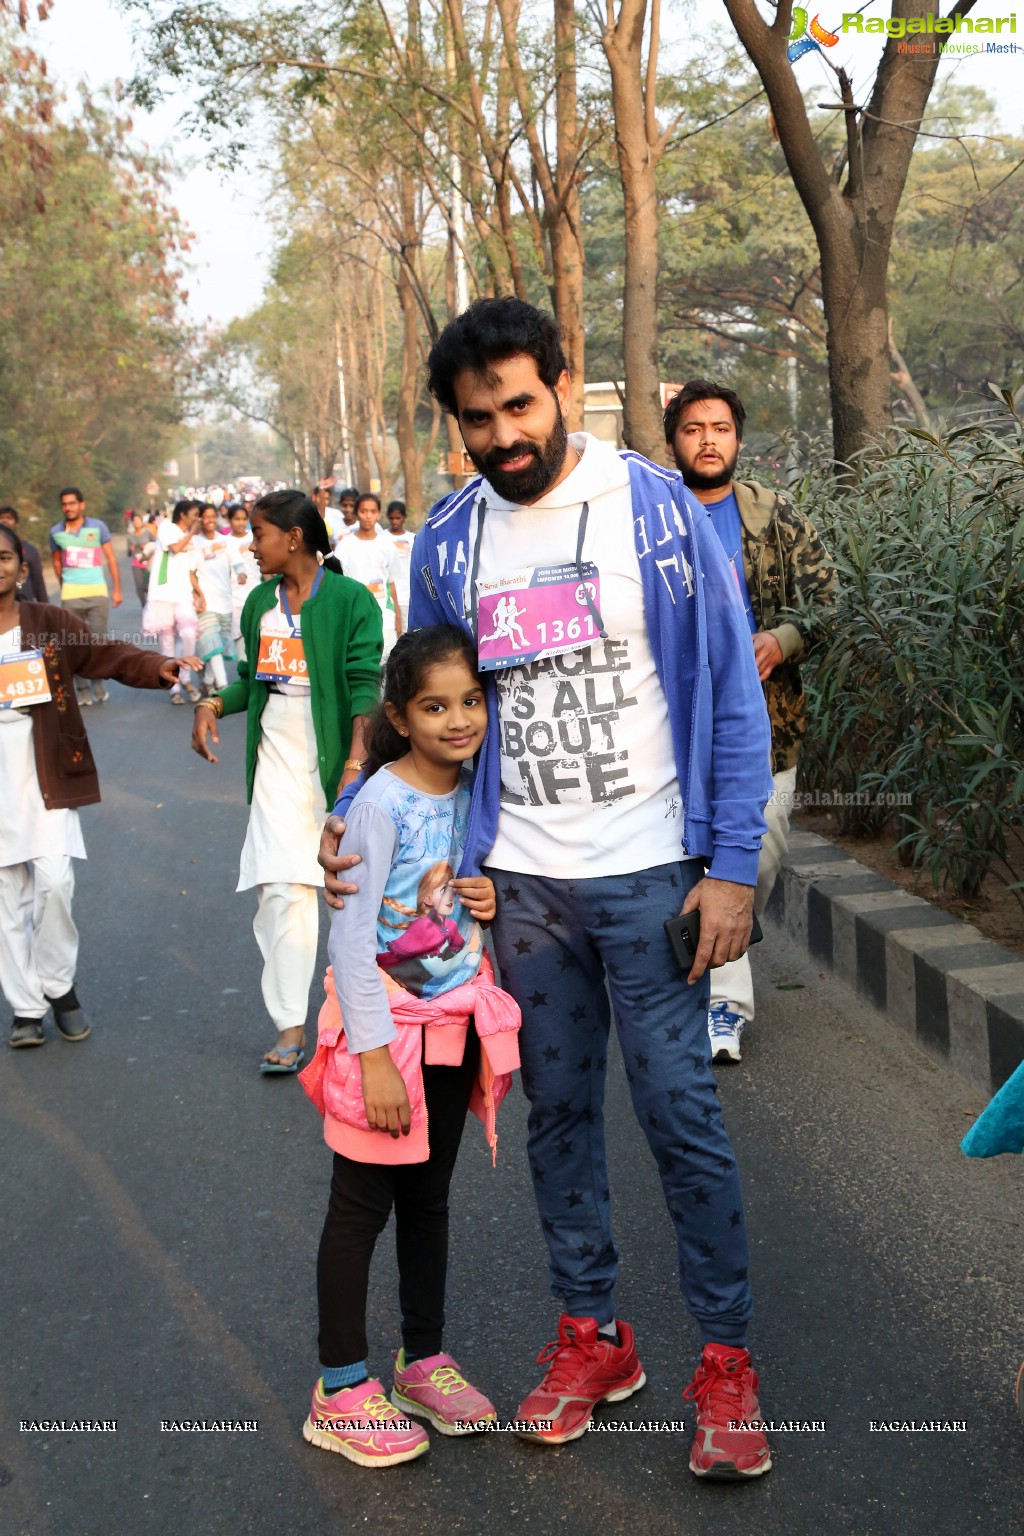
(286, 926)
(167, 620)
(733, 983)
(38, 937)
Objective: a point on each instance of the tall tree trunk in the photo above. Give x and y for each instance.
(409, 451)
(499, 165)
(559, 188)
(355, 369)
(565, 229)
(853, 224)
(638, 145)
(853, 291)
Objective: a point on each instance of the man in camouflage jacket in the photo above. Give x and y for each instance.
(788, 586)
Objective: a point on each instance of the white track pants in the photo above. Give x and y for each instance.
(38, 937)
(286, 928)
(733, 983)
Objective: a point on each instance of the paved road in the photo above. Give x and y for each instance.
(162, 1203)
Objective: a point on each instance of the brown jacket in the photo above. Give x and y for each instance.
(793, 591)
(64, 762)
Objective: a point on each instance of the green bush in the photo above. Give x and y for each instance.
(917, 691)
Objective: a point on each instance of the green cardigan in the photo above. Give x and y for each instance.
(342, 636)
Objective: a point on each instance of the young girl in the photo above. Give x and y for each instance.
(244, 572)
(395, 1053)
(170, 613)
(46, 773)
(313, 643)
(211, 586)
(140, 535)
(368, 555)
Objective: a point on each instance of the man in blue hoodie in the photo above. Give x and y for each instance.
(622, 781)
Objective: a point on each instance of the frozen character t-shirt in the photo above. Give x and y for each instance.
(406, 918)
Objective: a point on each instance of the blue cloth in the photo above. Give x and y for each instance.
(1000, 1126)
(555, 941)
(337, 1377)
(725, 518)
(701, 646)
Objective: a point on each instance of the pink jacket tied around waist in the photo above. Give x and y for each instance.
(333, 1080)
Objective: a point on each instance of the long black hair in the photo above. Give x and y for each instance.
(293, 509)
(16, 544)
(413, 655)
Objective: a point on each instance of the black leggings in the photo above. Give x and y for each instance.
(362, 1195)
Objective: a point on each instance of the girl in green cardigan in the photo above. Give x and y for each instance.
(313, 641)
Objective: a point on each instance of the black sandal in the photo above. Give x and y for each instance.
(27, 1032)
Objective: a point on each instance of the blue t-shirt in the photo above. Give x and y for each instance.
(725, 517)
(406, 918)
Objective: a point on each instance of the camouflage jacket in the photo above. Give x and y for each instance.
(792, 586)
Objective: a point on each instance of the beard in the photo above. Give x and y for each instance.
(697, 479)
(527, 484)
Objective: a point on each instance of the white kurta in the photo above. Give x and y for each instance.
(28, 830)
(287, 812)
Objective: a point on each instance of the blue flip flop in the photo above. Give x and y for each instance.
(279, 1068)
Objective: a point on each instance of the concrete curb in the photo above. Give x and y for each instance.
(936, 977)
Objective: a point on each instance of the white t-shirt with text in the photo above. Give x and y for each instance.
(372, 562)
(588, 773)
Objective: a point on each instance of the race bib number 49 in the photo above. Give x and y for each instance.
(532, 614)
(281, 659)
(23, 680)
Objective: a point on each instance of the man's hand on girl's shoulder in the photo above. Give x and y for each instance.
(333, 863)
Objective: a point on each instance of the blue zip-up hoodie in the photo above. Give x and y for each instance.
(702, 653)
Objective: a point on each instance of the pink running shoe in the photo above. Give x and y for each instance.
(361, 1424)
(436, 1389)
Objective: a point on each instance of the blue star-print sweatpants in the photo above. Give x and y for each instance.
(556, 941)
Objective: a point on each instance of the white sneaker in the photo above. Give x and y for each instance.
(725, 1027)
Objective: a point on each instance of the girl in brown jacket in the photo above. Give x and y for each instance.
(46, 772)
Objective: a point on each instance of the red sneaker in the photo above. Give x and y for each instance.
(729, 1442)
(584, 1369)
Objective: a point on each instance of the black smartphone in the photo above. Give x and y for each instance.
(684, 936)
